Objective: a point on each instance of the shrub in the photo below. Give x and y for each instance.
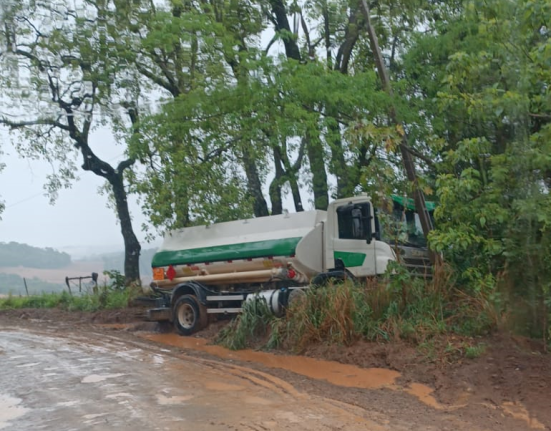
(400, 306)
(251, 325)
(107, 299)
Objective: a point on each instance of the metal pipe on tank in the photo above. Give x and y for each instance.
(235, 266)
(248, 276)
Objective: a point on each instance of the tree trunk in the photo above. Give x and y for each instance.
(282, 25)
(275, 185)
(132, 246)
(314, 149)
(254, 185)
(291, 173)
(295, 190)
(338, 164)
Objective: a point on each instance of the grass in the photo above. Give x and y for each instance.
(401, 307)
(104, 300)
(473, 352)
(254, 324)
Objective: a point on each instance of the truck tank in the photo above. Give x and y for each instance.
(254, 250)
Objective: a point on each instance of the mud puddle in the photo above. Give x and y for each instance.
(10, 410)
(96, 378)
(333, 372)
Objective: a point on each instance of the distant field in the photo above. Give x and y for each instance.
(76, 269)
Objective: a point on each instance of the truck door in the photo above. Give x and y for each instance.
(352, 238)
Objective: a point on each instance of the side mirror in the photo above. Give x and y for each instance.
(367, 223)
(369, 236)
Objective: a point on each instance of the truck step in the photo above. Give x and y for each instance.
(223, 310)
(226, 298)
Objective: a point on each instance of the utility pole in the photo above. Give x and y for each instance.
(407, 159)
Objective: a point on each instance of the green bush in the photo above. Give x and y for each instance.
(106, 299)
(252, 324)
(399, 307)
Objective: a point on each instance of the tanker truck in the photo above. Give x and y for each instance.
(204, 271)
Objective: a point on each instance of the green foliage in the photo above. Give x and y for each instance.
(472, 352)
(90, 302)
(494, 173)
(402, 307)
(252, 324)
(117, 281)
(16, 254)
(334, 314)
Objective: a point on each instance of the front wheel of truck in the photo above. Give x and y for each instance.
(188, 315)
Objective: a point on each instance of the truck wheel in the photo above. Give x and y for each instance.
(189, 315)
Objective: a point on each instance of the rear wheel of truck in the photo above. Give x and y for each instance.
(189, 315)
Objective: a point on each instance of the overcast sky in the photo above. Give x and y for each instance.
(79, 219)
(79, 222)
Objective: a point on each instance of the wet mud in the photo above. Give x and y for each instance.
(333, 372)
(131, 367)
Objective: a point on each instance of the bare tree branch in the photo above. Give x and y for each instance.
(125, 164)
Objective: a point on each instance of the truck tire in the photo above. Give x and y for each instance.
(189, 316)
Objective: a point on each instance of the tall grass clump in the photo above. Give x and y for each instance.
(399, 306)
(331, 314)
(252, 325)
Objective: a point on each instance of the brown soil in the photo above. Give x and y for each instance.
(129, 315)
(506, 388)
(512, 371)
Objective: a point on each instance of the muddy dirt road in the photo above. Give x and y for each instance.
(77, 382)
(59, 376)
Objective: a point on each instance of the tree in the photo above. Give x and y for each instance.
(229, 109)
(61, 73)
(183, 64)
(484, 90)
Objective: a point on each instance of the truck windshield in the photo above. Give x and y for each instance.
(400, 225)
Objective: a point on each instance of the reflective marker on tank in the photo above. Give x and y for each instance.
(171, 273)
(158, 273)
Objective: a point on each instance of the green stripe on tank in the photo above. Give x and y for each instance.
(350, 259)
(246, 250)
